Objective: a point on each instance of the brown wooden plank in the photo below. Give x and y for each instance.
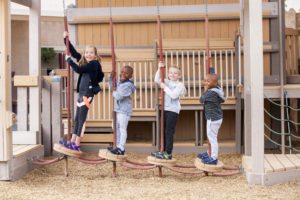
(61, 72)
(274, 162)
(28, 81)
(97, 138)
(100, 124)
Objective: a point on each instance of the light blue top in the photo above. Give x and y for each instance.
(173, 91)
(122, 96)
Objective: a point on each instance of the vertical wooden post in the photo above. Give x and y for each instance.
(5, 82)
(238, 105)
(46, 117)
(56, 87)
(253, 89)
(35, 67)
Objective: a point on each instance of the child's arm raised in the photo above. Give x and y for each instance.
(157, 74)
(73, 51)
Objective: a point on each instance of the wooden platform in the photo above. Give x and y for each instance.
(278, 168)
(21, 162)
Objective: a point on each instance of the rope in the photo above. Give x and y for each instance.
(286, 120)
(275, 132)
(288, 147)
(92, 160)
(141, 167)
(277, 104)
(47, 162)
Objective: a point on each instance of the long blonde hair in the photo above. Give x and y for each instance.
(83, 61)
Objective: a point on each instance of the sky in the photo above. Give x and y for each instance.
(293, 4)
(55, 7)
(48, 7)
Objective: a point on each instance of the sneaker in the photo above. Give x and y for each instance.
(210, 161)
(154, 153)
(110, 148)
(117, 151)
(163, 155)
(64, 142)
(74, 147)
(203, 156)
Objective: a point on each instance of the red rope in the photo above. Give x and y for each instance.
(113, 60)
(68, 80)
(47, 162)
(141, 167)
(162, 77)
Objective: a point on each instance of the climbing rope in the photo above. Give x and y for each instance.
(289, 134)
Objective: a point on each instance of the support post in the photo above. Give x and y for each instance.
(35, 67)
(5, 82)
(253, 90)
(46, 117)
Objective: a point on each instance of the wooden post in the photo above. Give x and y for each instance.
(35, 67)
(5, 82)
(253, 89)
(56, 87)
(46, 116)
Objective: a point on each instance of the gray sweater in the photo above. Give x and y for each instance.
(122, 96)
(212, 100)
(173, 91)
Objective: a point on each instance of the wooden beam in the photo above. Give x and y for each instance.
(25, 81)
(167, 13)
(253, 89)
(290, 31)
(26, 3)
(25, 137)
(5, 81)
(35, 66)
(97, 138)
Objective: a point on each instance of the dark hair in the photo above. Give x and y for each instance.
(129, 68)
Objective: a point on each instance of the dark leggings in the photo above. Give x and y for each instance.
(80, 117)
(170, 120)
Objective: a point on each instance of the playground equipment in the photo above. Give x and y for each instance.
(195, 56)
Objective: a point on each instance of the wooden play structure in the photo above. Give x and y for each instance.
(250, 74)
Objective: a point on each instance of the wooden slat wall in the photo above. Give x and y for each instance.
(144, 34)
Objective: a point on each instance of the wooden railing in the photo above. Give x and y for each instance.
(51, 111)
(191, 60)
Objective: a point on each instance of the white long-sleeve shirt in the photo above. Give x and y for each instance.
(173, 91)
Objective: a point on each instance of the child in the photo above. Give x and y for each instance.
(173, 91)
(90, 74)
(212, 100)
(122, 107)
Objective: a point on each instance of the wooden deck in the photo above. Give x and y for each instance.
(19, 150)
(278, 168)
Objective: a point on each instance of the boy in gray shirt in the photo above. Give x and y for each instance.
(122, 107)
